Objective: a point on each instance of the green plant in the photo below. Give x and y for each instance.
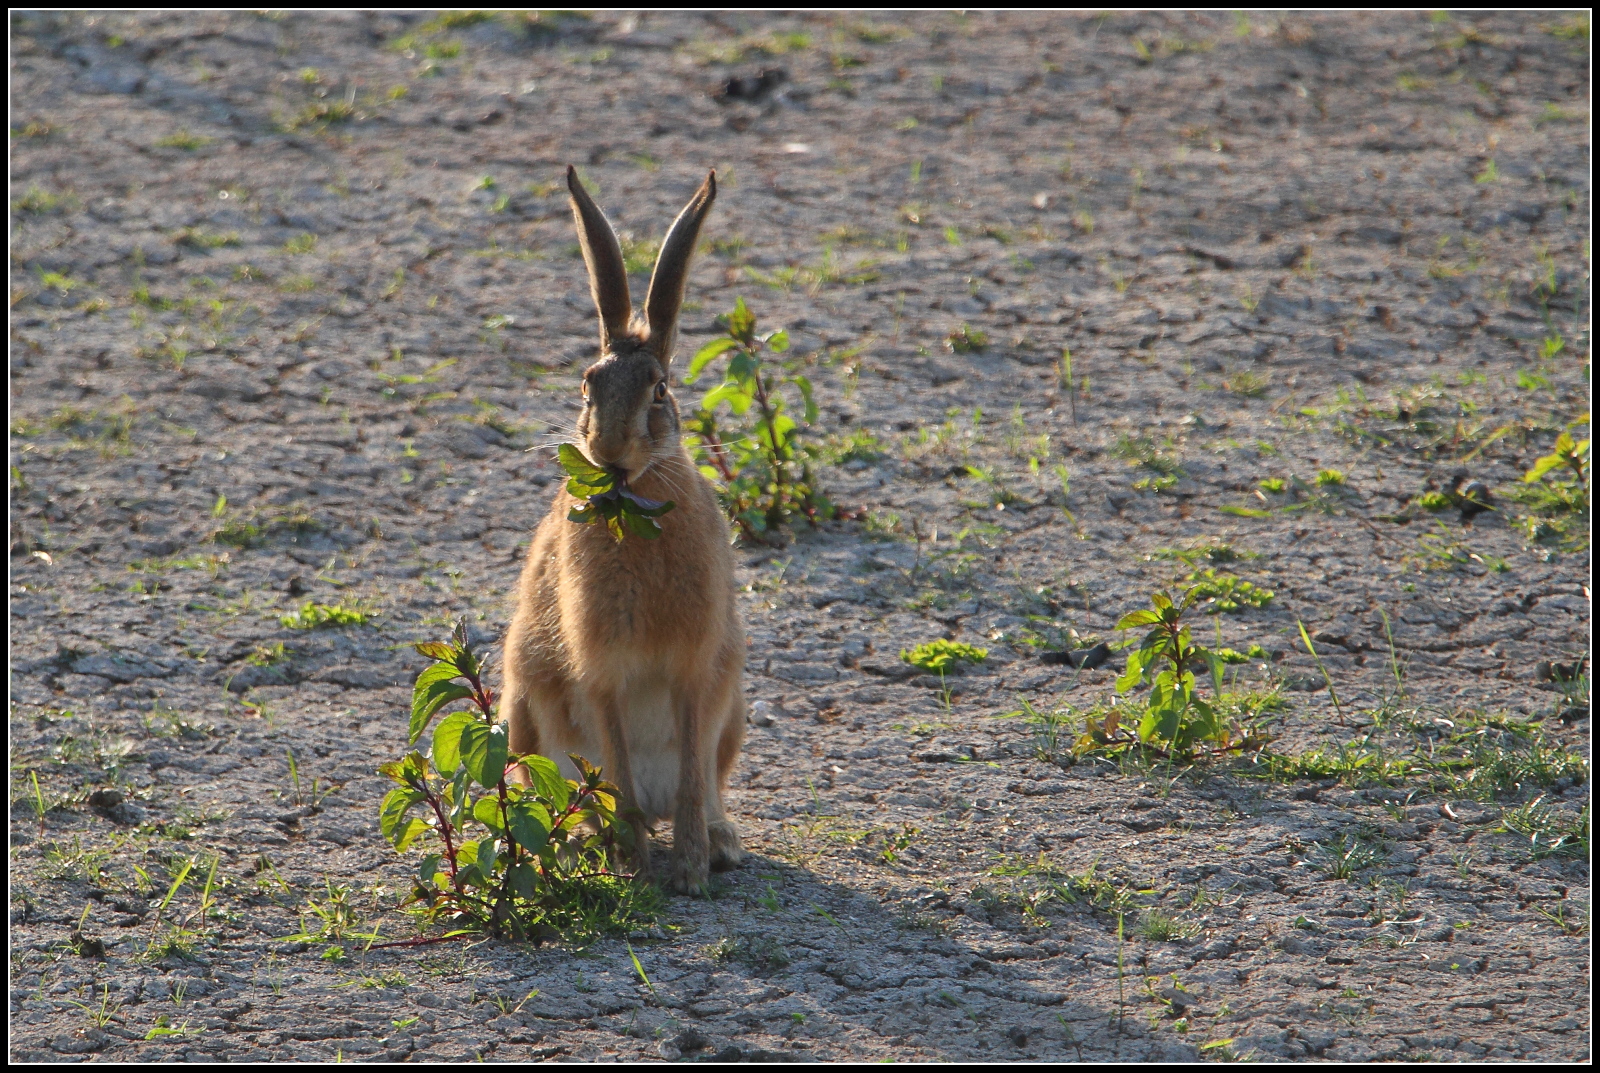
(529, 857)
(103, 1012)
(1175, 723)
(1550, 831)
(1226, 592)
(1344, 857)
(1160, 927)
(966, 340)
(898, 843)
(315, 616)
(605, 495)
(764, 467)
(183, 140)
(1052, 730)
(939, 655)
(1555, 492)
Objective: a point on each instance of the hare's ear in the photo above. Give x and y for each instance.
(608, 279)
(672, 270)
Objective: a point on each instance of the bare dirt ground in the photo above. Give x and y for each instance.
(291, 296)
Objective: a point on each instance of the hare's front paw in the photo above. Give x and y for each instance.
(726, 850)
(690, 872)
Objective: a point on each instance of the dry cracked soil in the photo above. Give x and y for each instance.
(295, 297)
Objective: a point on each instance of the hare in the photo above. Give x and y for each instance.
(631, 653)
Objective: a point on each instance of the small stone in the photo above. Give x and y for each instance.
(761, 714)
(1017, 1035)
(128, 814)
(668, 1050)
(691, 1039)
(106, 798)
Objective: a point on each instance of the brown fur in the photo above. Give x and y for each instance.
(636, 646)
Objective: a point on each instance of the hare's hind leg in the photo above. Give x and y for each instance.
(726, 849)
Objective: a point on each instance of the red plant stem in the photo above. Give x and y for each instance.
(419, 942)
(718, 454)
(444, 832)
(772, 437)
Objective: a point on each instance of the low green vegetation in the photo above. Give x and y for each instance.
(748, 435)
(1555, 495)
(315, 616)
(1175, 723)
(511, 848)
(941, 655)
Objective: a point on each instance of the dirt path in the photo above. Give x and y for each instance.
(291, 296)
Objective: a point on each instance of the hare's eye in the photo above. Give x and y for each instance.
(661, 391)
(586, 389)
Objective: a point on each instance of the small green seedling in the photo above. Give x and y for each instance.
(604, 495)
(941, 655)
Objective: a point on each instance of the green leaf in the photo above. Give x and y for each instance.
(483, 753)
(434, 689)
(487, 812)
(1246, 512)
(409, 833)
(447, 740)
(741, 322)
(524, 880)
(737, 398)
(778, 341)
(705, 355)
(429, 867)
(529, 823)
(1137, 618)
(460, 800)
(811, 403)
(1133, 674)
(742, 369)
(1542, 466)
(393, 810)
(436, 650)
(586, 479)
(547, 780)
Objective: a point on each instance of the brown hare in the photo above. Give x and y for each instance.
(630, 653)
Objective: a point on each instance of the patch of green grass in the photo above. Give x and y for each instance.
(1142, 451)
(639, 255)
(966, 340)
(940, 655)
(1159, 927)
(320, 115)
(315, 616)
(858, 445)
(1226, 592)
(200, 239)
(759, 952)
(1210, 551)
(1551, 831)
(1345, 857)
(1053, 732)
(301, 244)
(1247, 384)
(1348, 762)
(255, 528)
(39, 201)
(184, 140)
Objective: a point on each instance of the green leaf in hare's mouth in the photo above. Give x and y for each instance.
(604, 495)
